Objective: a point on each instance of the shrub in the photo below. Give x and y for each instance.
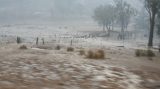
(45, 47)
(82, 52)
(98, 54)
(90, 54)
(148, 53)
(138, 52)
(58, 47)
(70, 49)
(23, 47)
(101, 54)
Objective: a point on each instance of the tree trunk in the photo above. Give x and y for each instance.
(159, 47)
(109, 30)
(37, 41)
(152, 23)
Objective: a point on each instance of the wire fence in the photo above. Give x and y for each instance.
(76, 40)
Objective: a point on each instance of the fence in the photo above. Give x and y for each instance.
(77, 40)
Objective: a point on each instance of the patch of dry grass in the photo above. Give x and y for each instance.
(97, 54)
(147, 53)
(90, 54)
(45, 47)
(23, 47)
(82, 52)
(58, 47)
(70, 49)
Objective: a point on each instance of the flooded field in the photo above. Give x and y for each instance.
(38, 68)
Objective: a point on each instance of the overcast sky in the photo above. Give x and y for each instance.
(22, 9)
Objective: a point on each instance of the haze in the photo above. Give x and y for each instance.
(12, 11)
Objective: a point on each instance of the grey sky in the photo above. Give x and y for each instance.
(21, 9)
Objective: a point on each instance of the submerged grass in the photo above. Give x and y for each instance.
(147, 53)
(96, 54)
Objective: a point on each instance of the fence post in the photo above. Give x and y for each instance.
(43, 41)
(18, 40)
(159, 47)
(37, 40)
(71, 43)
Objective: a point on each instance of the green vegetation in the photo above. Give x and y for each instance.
(144, 53)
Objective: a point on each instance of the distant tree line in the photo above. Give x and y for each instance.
(119, 13)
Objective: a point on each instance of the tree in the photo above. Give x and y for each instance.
(141, 20)
(152, 9)
(105, 16)
(158, 21)
(158, 26)
(124, 13)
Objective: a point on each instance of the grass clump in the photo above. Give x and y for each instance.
(45, 47)
(138, 52)
(151, 53)
(82, 52)
(23, 47)
(58, 47)
(147, 53)
(90, 54)
(98, 54)
(70, 49)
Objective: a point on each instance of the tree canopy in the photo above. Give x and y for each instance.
(124, 13)
(158, 22)
(152, 7)
(107, 15)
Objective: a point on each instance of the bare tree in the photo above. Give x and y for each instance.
(105, 16)
(152, 8)
(142, 20)
(124, 13)
(158, 26)
(158, 23)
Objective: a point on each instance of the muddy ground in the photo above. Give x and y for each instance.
(36, 68)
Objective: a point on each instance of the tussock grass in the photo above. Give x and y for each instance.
(58, 47)
(82, 52)
(143, 53)
(150, 53)
(90, 54)
(70, 49)
(100, 54)
(97, 54)
(23, 47)
(45, 47)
